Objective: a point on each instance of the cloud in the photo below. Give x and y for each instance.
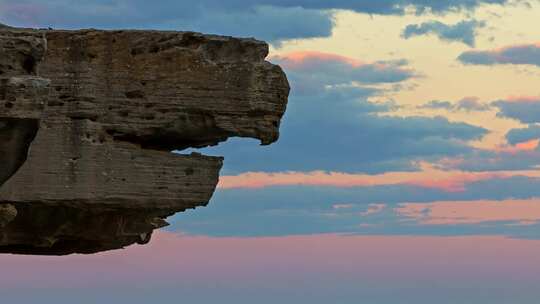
(526, 146)
(311, 72)
(269, 23)
(472, 104)
(429, 178)
(467, 104)
(515, 136)
(528, 54)
(520, 212)
(273, 20)
(514, 157)
(523, 149)
(523, 109)
(292, 210)
(383, 7)
(373, 209)
(437, 105)
(336, 135)
(464, 31)
(258, 19)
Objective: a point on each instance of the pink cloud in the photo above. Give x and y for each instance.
(303, 59)
(522, 212)
(429, 177)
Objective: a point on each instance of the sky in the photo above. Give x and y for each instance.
(407, 171)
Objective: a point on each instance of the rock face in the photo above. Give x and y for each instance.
(88, 119)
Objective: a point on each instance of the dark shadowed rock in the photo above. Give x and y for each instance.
(88, 119)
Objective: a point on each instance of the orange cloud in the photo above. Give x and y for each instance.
(428, 177)
(520, 212)
(527, 146)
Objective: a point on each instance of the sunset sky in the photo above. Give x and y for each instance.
(408, 168)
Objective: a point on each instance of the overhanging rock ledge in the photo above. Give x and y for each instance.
(88, 119)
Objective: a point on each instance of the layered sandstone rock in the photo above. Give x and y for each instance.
(88, 119)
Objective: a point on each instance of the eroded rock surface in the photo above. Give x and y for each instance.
(88, 119)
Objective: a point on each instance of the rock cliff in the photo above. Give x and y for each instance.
(88, 119)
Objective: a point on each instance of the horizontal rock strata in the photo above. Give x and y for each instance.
(88, 119)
